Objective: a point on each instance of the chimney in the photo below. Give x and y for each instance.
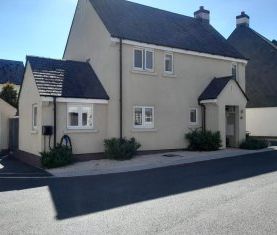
(202, 15)
(243, 19)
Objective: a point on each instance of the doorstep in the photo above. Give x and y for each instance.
(145, 162)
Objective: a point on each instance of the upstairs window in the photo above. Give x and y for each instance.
(138, 59)
(168, 63)
(143, 117)
(149, 60)
(144, 59)
(79, 117)
(234, 71)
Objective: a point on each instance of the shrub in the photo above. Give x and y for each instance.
(57, 157)
(9, 94)
(121, 149)
(251, 143)
(203, 140)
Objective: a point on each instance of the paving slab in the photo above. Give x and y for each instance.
(106, 166)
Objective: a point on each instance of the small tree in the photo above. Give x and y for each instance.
(9, 94)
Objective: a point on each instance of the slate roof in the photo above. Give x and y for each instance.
(261, 71)
(11, 71)
(215, 87)
(132, 21)
(66, 78)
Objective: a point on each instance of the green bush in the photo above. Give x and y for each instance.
(57, 157)
(121, 149)
(251, 143)
(9, 94)
(203, 140)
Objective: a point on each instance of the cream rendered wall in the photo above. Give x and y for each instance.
(29, 140)
(6, 112)
(212, 117)
(262, 121)
(241, 75)
(83, 141)
(172, 96)
(89, 39)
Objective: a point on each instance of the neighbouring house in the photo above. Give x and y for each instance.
(11, 72)
(6, 112)
(134, 71)
(261, 77)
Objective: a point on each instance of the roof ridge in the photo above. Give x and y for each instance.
(264, 38)
(224, 77)
(157, 9)
(15, 61)
(49, 58)
(42, 57)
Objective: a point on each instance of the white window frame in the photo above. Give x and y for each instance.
(237, 70)
(34, 127)
(165, 55)
(80, 112)
(144, 52)
(145, 125)
(153, 60)
(196, 113)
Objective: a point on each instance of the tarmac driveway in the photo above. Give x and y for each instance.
(11, 167)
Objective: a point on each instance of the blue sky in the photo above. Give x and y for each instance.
(41, 27)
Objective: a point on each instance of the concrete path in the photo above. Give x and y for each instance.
(105, 166)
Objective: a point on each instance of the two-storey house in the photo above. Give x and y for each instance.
(150, 74)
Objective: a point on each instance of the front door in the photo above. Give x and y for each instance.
(231, 126)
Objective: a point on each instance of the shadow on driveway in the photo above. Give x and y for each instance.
(89, 194)
(11, 167)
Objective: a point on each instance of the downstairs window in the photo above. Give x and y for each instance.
(79, 116)
(143, 117)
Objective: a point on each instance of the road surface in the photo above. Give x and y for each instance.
(233, 195)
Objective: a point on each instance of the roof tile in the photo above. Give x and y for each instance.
(11, 71)
(261, 71)
(132, 21)
(66, 78)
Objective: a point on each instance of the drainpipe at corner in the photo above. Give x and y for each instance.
(203, 107)
(120, 90)
(55, 121)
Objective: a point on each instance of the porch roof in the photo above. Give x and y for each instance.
(216, 86)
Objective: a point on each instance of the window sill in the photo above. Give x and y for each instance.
(143, 72)
(194, 124)
(34, 132)
(144, 130)
(72, 131)
(169, 75)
